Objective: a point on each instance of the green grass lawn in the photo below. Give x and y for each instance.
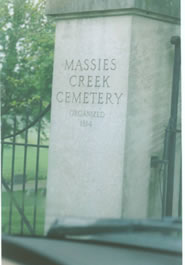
(29, 199)
(19, 162)
(29, 202)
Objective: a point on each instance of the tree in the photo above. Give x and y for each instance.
(26, 59)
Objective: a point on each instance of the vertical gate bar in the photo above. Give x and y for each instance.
(37, 172)
(173, 123)
(24, 172)
(12, 176)
(2, 153)
(165, 175)
(180, 195)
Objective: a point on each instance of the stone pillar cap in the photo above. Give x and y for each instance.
(68, 9)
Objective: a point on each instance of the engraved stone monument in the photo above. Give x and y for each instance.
(113, 62)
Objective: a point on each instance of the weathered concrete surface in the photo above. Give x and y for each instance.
(164, 7)
(88, 130)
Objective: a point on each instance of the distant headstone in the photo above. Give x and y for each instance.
(18, 179)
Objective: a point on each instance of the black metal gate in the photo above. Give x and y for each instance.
(167, 164)
(24, 171)
(171, 136)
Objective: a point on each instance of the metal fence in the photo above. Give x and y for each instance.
(171, 135)
(24, 189)
(167, 164)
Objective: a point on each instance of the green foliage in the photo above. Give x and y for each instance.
(26, 59)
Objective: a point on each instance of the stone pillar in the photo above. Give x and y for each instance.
(110, 106)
